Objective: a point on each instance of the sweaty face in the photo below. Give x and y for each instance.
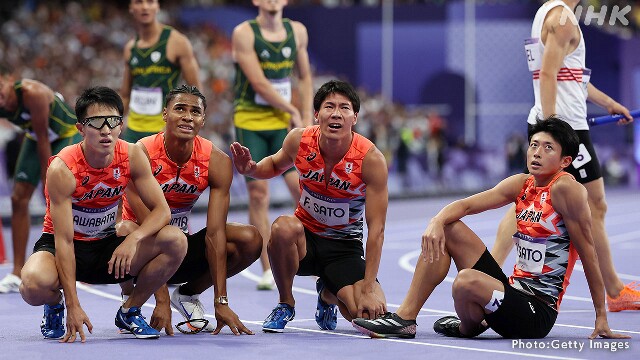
(100, 141)
(544, 155)
(336, 116)
(144, 11)
(184, 115)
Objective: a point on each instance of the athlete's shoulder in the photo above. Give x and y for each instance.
(566, 182)
(299, 133)
(294, 139)
(297, 25)
(71, 150)
(243, 27)
(566, 187)
(152, 142)
(35, 88)
(152, 138)
(203, 145)
(173, 32)
(176, 38)
(129, 45)
(60, 176)
(362, 143)
(560, 19)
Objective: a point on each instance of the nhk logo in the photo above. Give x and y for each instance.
(599, 15)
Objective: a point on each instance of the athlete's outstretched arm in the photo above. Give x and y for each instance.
(271, 166)
(158, 217)
(305, 81)
(185, 58)
(127, 80)
(135, 203)
(374, 175)
(60, 185)
(37, 99)
(505, 192)
(570, 200)
(560, 37)
(216, 238)
(150, 194)
(606, 102)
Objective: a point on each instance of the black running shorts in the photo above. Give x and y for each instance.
(338, 263)
(520, 316)
(92, 257)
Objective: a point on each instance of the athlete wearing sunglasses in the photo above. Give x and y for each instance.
(98, 122)
(83, 188)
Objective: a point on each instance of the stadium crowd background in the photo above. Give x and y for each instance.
(72, 45)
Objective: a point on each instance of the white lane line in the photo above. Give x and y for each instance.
(620, 275)
(101, 293)
(406, 263)
(256, 278)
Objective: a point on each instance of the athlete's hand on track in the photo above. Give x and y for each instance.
(602, 330)
(76, 318)
(161, 318)
(226, 316)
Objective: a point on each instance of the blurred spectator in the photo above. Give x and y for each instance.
(73, 45)
(516, 151)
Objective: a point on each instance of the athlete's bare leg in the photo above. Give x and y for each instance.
(20, 223)
(286, 248)
(598, 206)
(259, 214)
(504, 237)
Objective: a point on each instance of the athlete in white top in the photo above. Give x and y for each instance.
(556, 58)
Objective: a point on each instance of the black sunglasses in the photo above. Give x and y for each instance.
(98, 122)
(192, 326)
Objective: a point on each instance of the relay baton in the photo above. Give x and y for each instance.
(600, 120)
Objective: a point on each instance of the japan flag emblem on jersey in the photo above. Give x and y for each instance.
(116, 173)
(196, 171)
(348, 167)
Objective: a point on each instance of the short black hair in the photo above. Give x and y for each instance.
(561, 132)
(185, 89)
(336, 87)
(100, 95)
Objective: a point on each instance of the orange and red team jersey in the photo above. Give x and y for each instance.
(95, 199)
(545, 254)
(181, 185)
(334, 209)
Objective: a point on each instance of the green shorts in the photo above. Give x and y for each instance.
(28, 163)
(261, 143)
(133, 136)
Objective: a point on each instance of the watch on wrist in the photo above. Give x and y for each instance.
(222, 300)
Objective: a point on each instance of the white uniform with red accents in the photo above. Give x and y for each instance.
(573, 76)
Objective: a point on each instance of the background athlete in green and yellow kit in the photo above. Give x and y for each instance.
(154, 59)
(49, 124)
(266, 50)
